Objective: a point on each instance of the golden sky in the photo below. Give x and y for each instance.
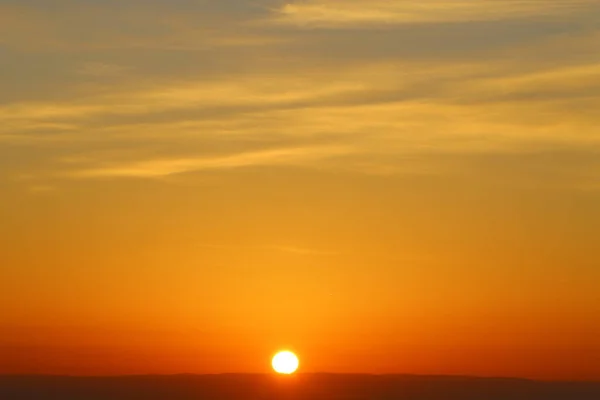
(379, 185)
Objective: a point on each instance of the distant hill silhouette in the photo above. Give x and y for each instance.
(297, 387)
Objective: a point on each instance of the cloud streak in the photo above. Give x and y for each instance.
(165, 167)
(370, 119)
(338, 13)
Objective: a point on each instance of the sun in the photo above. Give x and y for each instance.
(285, 362)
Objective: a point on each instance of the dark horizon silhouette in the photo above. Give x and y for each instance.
(301, 386)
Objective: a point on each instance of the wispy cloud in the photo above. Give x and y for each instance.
(166, 167)
(374, 119)
(255, 91)
(360, 12)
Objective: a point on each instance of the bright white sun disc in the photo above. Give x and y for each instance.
(285, 362)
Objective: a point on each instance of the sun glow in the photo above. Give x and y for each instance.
(285, 362)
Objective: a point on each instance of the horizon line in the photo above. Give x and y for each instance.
(372, 374)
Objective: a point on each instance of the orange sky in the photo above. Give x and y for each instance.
(190, 187)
